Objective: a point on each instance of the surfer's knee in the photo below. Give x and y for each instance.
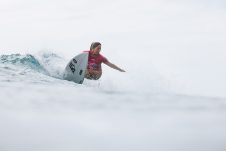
(93, 75)
(97, 77)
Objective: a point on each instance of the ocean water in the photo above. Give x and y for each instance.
(40, 111)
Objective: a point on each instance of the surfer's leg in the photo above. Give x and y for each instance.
(97, 75)
(88, 74)
(93, 74)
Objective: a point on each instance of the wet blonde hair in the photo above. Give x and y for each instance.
(94, 45)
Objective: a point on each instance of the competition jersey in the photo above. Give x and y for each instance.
(94, 62)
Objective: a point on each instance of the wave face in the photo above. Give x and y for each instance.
(45, 63)
(26, 61)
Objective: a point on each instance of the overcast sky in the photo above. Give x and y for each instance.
(184, 40)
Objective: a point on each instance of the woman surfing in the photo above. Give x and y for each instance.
(95, 59)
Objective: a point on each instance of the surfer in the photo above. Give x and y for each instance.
(94, 70)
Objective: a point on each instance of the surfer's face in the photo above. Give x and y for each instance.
(97, 49)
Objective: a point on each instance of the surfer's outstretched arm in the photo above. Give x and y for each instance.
(114, 66)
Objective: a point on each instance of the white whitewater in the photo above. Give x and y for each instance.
(41, 112)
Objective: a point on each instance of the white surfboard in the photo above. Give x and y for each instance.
(76, 68)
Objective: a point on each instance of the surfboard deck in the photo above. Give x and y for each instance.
(76, 68)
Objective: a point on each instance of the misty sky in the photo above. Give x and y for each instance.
(184, 40)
